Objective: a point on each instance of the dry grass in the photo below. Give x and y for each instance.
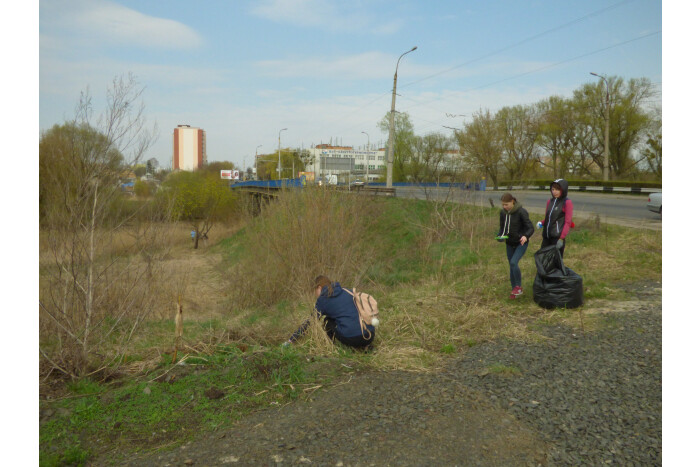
(301, 235)
(260, 294)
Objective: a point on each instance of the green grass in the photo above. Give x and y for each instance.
(505, 370)
(147, 414)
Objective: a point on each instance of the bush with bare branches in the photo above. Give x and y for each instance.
(93, 292)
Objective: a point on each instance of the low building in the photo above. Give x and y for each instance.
(346, 162)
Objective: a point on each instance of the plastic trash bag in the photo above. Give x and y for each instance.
(555, 286)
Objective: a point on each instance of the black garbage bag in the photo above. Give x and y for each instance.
(555, 286)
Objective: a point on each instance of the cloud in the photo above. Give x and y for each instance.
(368, 65)
(326, 15)
(99, 22)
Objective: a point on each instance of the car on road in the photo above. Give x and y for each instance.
(357, 182)
(654, 202)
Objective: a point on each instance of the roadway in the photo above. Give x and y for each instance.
(620, 209)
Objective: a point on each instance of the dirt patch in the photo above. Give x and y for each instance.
(377, 418)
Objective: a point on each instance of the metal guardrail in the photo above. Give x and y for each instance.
(375, 190)
(604, 189)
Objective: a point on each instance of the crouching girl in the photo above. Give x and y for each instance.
(342, 320)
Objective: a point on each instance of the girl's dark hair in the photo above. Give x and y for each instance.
(507, 198)
(323, 281)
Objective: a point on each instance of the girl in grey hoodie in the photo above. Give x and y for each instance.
(516, 225)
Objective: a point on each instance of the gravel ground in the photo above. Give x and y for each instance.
(576, 399)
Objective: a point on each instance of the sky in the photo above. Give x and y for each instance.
(323, 69)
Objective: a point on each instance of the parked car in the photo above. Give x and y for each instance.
(357, 182)
(654, 202)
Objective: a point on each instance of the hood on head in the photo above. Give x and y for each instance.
(516, 206)
(564, 186)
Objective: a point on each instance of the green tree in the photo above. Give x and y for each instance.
(481, 145)
(140, 170)
(215, 167)
(519, 132)
(404, 141)
(200, 199)
(427, 162)
(652, 152)
(267, 166)
(71, 156)
(143, 189)
(557, 133)
(628, 122)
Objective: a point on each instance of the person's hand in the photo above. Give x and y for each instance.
(523, 240)
(560, 244)
(539, 224)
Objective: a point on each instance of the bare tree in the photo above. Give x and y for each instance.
(481, 144)
(92, 292)
(557, 131)
(518, 126)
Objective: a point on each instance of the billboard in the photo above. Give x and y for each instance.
(230, 175)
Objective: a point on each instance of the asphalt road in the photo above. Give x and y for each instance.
(627, 210)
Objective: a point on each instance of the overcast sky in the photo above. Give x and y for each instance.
(243, 70)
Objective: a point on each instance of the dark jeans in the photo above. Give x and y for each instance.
(553, 241)
(330, 326)
(514, 253)
(358, 342)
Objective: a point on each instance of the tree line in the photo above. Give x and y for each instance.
(555, 137)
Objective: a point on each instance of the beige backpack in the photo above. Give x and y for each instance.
(366, 309)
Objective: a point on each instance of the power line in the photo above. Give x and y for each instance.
(543, 67)
(528, 39)
(523, 41)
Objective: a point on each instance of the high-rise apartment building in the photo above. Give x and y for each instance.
(189, 148)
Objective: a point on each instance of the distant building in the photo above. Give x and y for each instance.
(345, 161)
(189, 148)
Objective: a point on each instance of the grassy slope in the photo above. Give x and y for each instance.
(442, 285)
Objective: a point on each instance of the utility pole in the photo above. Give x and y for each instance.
(606, 156)
(367, 155)
(390, 152)
(279, 156)
(257, 172)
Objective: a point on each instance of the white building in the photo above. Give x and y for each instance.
(346, 162)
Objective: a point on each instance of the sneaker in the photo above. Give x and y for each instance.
(513, 294)
(517, 291)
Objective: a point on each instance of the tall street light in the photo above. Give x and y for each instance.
(279, 157)
(606, 156)
(390, 152)
(367, 156)
(257, 172)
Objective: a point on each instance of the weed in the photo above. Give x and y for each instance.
(505, 370)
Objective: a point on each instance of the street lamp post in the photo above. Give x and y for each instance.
(367, 156)
(606, 156)
(390, 152)
(279, 156)
(257, 171)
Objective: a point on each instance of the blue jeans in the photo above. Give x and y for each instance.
(514, 253)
